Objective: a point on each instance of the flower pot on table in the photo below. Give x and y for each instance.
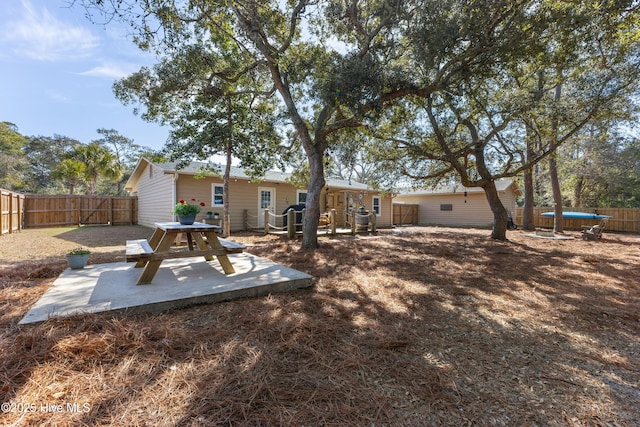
(186, 219)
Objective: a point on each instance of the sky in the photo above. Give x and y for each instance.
(57, 70)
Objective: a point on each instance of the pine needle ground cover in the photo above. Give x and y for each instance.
(413, 327)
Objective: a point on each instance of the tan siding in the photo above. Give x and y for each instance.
(386, 209)
(156, 200)
(243, 195)
(155, 196)
(475, 212)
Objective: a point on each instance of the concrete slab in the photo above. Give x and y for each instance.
(178, 283)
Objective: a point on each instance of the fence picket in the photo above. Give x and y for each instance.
(623, 219)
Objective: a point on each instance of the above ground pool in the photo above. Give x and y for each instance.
(578, 215)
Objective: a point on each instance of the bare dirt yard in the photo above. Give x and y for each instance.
(412, 327)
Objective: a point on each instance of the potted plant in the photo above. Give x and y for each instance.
(209, 215)
(77, 258)
(216, 215)
(187, 211)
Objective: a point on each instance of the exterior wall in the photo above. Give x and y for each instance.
(475, 212)
(335, 199)
(243, 195)
(158, 192)
(385, 218)
(155, 196)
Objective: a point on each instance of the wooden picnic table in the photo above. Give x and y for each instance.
(159, 247)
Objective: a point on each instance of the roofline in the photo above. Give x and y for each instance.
(172, 171)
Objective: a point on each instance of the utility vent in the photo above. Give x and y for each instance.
(446, 207)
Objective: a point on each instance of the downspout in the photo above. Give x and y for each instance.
(174, 189)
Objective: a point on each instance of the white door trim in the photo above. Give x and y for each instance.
(272, 207)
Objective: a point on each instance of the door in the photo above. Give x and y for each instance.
(266, 200)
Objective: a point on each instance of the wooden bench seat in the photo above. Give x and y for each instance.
(140, 250)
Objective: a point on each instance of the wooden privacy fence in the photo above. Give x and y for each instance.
(623, 219)
(58, 210)
(11, 211)
(404, 214)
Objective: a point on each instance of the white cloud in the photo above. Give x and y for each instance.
(111, 71)
(56, 96)
(39, 35)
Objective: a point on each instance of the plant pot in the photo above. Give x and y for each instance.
(208, 216)
(216, 216)
(77, 262)
(186, 219)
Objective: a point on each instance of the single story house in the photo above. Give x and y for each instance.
(456, 205)
(160, 186)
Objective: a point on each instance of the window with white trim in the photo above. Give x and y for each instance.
(375, 204)
(218, 196)
(301, 197)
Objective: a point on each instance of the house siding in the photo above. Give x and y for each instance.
(472, 210)
(155, 188)
(243, 195)
(155, 196)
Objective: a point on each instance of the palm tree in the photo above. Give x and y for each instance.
(98, 161)
(71, 172)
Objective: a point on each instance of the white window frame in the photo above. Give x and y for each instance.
(213, 196)
(373, 204)
(298, 193)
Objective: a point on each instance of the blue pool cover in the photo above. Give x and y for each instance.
(578, 215)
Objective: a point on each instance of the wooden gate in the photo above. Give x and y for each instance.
(59, 210)
(404, 214)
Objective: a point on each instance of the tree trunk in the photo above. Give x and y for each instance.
(312, 207)
(226, 227)
(553, 169)
(557, 195)
(500, 215)
(577, 192)
(528, 221)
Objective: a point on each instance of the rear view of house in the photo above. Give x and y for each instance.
(159, 187)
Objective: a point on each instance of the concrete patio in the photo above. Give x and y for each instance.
(178, 283)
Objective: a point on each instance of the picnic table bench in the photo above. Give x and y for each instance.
(150, 254)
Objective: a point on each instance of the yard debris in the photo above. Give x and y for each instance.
(431, 326)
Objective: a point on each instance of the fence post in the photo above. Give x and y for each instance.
(11, 196)
(372, 221)
(111, 210)
(352, 214)
(291, 223)
(266, 221)
(332, 219)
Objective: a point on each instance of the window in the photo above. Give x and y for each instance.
(446, 207)
(218, 193)
(375, 204)
(302, 197)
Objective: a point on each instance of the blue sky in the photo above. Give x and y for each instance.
(57, 70)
